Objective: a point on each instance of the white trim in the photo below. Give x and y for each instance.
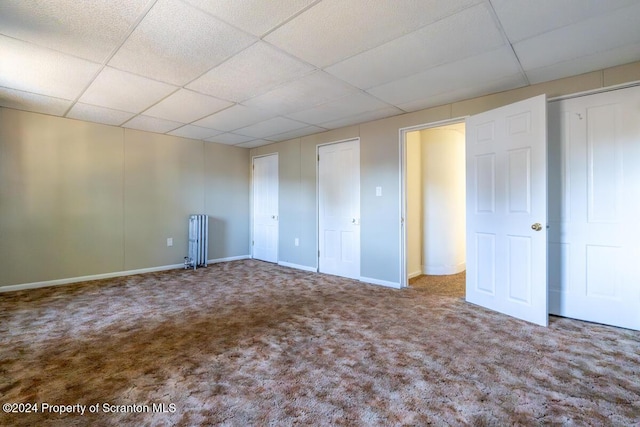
(231, 258)
(595, 91)
(298, 266)
(58, 282)
(70, 280)
(385, 283)
(444, 270)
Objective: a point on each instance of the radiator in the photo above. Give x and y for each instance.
(198, 241)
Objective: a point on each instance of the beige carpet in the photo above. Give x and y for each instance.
(250, 343)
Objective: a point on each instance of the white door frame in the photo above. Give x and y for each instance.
(318, 196)
(251, 169)
(404, 280)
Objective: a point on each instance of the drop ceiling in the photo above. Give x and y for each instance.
(252, 72)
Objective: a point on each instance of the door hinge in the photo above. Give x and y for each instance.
(318, 157)
(253, 243)
(318, 253)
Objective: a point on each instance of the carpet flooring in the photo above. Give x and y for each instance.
(250, 343)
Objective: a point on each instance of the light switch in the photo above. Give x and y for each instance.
(378, 191)
(296, 241)
(169, 241)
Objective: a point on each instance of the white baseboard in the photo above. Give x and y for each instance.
(443, 270)
(394, 285)
(298, 266)
(58, 282)
(415, 274)
(231, 258)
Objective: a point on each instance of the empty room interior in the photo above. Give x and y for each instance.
(322, 212)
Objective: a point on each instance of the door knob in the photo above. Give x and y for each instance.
(536, 226)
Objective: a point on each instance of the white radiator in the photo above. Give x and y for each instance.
(198, 241)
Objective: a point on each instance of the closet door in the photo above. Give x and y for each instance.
(594, 208)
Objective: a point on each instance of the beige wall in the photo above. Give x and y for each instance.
(80, 199)
(443, 195)
(380, 166)
(414, 203)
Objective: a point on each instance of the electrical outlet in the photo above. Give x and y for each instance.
(296, 241)
(169, 241)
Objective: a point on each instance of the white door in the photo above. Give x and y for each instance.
(265, 208)
(339, 209)
(507, 210)
(594, 208)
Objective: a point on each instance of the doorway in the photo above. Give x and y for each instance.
(434, 193)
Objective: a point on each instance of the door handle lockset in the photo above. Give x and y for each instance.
(537, 226)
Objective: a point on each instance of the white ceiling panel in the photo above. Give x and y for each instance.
(363, 117)
(254, 143)
(334, 30)
(235, 117)
(152, 124)
(118, 90)
(27, 101)
(249, 73)
(313, 89)
(270, 127)
(307, 130)
(462, 92)
(621, 55)
(186, 106)
(194, 132)
(598, 34)
(522, 19)
(253, 16)
(176, 43)
(88, 29)
(92, 113)
(230, 139)
(29, 68)
(350, 105)
(446, 78)
(464, 34)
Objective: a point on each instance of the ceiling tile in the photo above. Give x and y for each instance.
(230, 138)
(584, 64)
(462, 92)
(92, 113)
(152, 124)
(350, 105)
(522, 19)
(363, 117)
(88, 29)
(333, 30)
(194, 132)
(29, 68)
(253, 16)
(313, 89)
(467, 33)
(186, 106)
(124, 91)
(27, 101)
(446, 78)
(255, 143)
(270, 127)
(598, 34)
(235, 117)
(307, 130)
(176, 43)
(250, 73)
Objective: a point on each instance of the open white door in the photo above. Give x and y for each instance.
(506, 153)
(339, 209)
(265, 208)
